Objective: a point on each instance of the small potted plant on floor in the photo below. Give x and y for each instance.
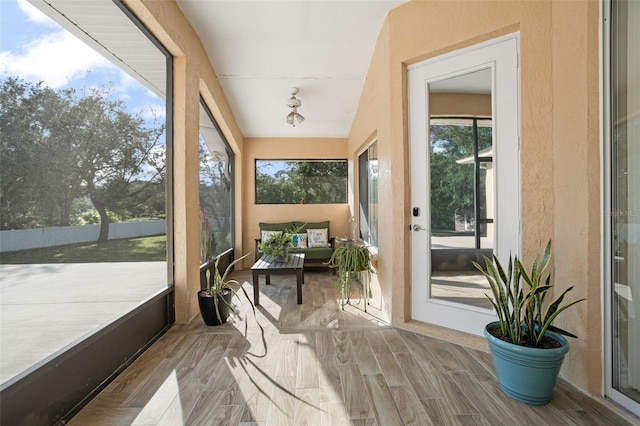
(215, 300)
(350, 260)
(527, 349)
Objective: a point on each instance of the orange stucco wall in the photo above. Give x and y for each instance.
(193, 77)
(460, 104)
(559, 109)
(288, 149)
(560, 185)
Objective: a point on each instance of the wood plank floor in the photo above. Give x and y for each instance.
(315, 364)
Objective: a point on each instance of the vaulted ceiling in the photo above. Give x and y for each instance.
(259, 51)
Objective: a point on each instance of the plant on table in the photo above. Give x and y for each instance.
(525, 319)
(218, 294)
(277, 245)
(350, 260)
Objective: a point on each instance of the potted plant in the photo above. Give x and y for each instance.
(526, 348)
(350, 260)
(278, 244)
(215, 300)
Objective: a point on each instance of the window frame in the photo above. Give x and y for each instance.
(230, 169)
(364, 184)
(309, 160)
(608, 256)
(62, 384)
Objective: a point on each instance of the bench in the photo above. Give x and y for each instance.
(314, 256)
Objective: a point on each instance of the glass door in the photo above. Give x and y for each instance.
(464, 169)
(623, 345)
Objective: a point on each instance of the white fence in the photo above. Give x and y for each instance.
(24, 239)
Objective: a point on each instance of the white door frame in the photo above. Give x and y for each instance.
(501, 56)
(607, 206)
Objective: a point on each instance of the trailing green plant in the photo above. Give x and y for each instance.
(277, 245)
(219, 285)
(523, 313)
(350, 259)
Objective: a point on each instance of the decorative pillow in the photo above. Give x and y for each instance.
(299, 240)
(318, 237)
(268, 234)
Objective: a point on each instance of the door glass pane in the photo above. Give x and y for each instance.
(626, 197)
(461, 193)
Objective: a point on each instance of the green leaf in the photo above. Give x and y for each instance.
(555, 329)
(521, 310)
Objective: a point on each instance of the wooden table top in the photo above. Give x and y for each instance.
(296, 261)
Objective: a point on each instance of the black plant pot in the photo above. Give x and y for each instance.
(208, 307)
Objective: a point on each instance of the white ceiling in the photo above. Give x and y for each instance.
(477, 82)
(102, 25)
(260, 49)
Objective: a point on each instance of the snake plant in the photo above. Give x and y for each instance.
(523, 313)
(218, 284)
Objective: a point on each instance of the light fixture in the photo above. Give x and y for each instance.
(294, 103)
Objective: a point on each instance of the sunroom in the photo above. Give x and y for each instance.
(473, 127)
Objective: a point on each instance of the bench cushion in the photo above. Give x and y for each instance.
(284, 226)
(314, 253)
(313, 225)
(311, 253)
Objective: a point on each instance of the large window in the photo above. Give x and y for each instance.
(216, 189)
(624, 212)
(368, 194)
(82, 201)
(301, 181)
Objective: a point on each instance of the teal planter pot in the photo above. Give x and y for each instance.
(526, 374)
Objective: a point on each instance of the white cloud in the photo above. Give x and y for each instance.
(34, 14)
(152, 111)
(125, 83)
(56, 58)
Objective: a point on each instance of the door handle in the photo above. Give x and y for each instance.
(417, 227)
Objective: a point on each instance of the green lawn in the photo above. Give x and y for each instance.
(127, 250)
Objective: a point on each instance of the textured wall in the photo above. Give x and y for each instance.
(559, 110)
(288, 149)
(559, 145)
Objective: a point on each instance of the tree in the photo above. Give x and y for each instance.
(118, 160)
(319, 182)
(30, 163)
(58, 147)
(451, 183)
(15, 158)
(215, 201)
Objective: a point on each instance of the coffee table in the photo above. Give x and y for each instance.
(268, 266)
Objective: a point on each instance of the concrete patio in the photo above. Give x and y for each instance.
(46, 308)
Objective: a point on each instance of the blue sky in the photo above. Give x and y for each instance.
(35, 48)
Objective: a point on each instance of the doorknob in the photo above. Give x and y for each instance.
(417, 227)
